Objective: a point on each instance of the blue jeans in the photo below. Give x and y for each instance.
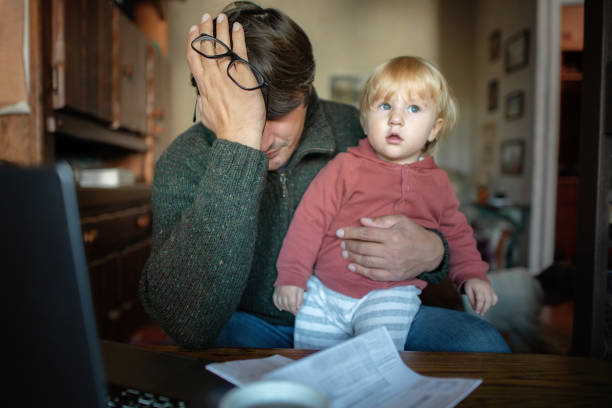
(433, 329)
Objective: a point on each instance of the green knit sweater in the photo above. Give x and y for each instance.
(219, 222)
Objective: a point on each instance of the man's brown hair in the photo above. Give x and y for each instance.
(280, 49)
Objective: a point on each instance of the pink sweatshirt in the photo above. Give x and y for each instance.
(359, 184)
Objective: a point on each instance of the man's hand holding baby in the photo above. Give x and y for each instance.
(390, 248)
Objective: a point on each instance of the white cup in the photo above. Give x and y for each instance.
(275, 394)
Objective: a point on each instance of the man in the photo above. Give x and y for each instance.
(226, 189)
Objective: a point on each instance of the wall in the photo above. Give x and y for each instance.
(516, 16)
(457, 56)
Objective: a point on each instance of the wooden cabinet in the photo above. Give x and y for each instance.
(97, 99)
(116, 229)
(133, 47)
(81, 39)
(98, 62)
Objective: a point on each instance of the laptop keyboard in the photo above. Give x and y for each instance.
(123, 397)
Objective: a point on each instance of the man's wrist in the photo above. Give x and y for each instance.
(247, 135)
(441, 266)
(442, 248)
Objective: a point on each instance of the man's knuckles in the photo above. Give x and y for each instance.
(396, 238)
(363, 233)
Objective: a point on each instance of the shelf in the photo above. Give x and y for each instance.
(89, 130)
(571, 76)
(90, 198)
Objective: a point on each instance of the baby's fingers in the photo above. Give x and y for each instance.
(300, 299)
(491, 301)
(479, 302)
(470, 295)
(277, 301)
(296, 301)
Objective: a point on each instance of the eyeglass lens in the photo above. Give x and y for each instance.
(237, 69)
(210, 47)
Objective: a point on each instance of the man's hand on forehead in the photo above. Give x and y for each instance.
(231, 112)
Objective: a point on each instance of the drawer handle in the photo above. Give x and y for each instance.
(114, 314)
(143, 221)
(128, 70)
(90, 236)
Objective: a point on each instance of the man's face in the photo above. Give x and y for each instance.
(281, 136)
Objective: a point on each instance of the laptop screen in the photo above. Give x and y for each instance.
(51, 327)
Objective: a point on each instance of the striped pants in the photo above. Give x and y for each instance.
(327, 317)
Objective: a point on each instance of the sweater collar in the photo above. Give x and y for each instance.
(317, 136)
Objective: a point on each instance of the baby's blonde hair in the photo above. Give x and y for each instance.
(416, 77)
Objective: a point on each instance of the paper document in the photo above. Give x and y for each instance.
(366, 371)
(242, 372)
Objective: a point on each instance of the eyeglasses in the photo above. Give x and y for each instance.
(214, 48)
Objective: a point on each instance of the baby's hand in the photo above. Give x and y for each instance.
(288, 298)
(481, 295)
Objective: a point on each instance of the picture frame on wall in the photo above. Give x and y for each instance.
(512, 157)
(492, 95)
(517, 51)
(494, 45)
(515, 105)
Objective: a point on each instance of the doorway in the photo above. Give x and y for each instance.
(566, 224)
(556, 139)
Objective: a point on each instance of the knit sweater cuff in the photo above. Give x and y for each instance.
(440, 273)
(235, 162)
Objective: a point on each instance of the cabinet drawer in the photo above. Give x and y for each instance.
(114, 286)
(133, 315)
(105, 277)
(112, 231)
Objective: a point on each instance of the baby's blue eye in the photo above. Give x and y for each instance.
(413, 108)
(385, 106)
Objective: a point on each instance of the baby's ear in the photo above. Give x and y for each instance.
(435, 130)
(439, 124)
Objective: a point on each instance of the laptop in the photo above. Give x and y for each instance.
(51, 334)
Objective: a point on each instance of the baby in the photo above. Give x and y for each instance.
(405, 109)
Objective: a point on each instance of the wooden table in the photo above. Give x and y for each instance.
(515, 380)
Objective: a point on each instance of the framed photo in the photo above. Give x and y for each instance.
(488, 141)
(515, 105)
(345, 89)
(492, 95)
(517, 51)
(512, 156)
(494, 45)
